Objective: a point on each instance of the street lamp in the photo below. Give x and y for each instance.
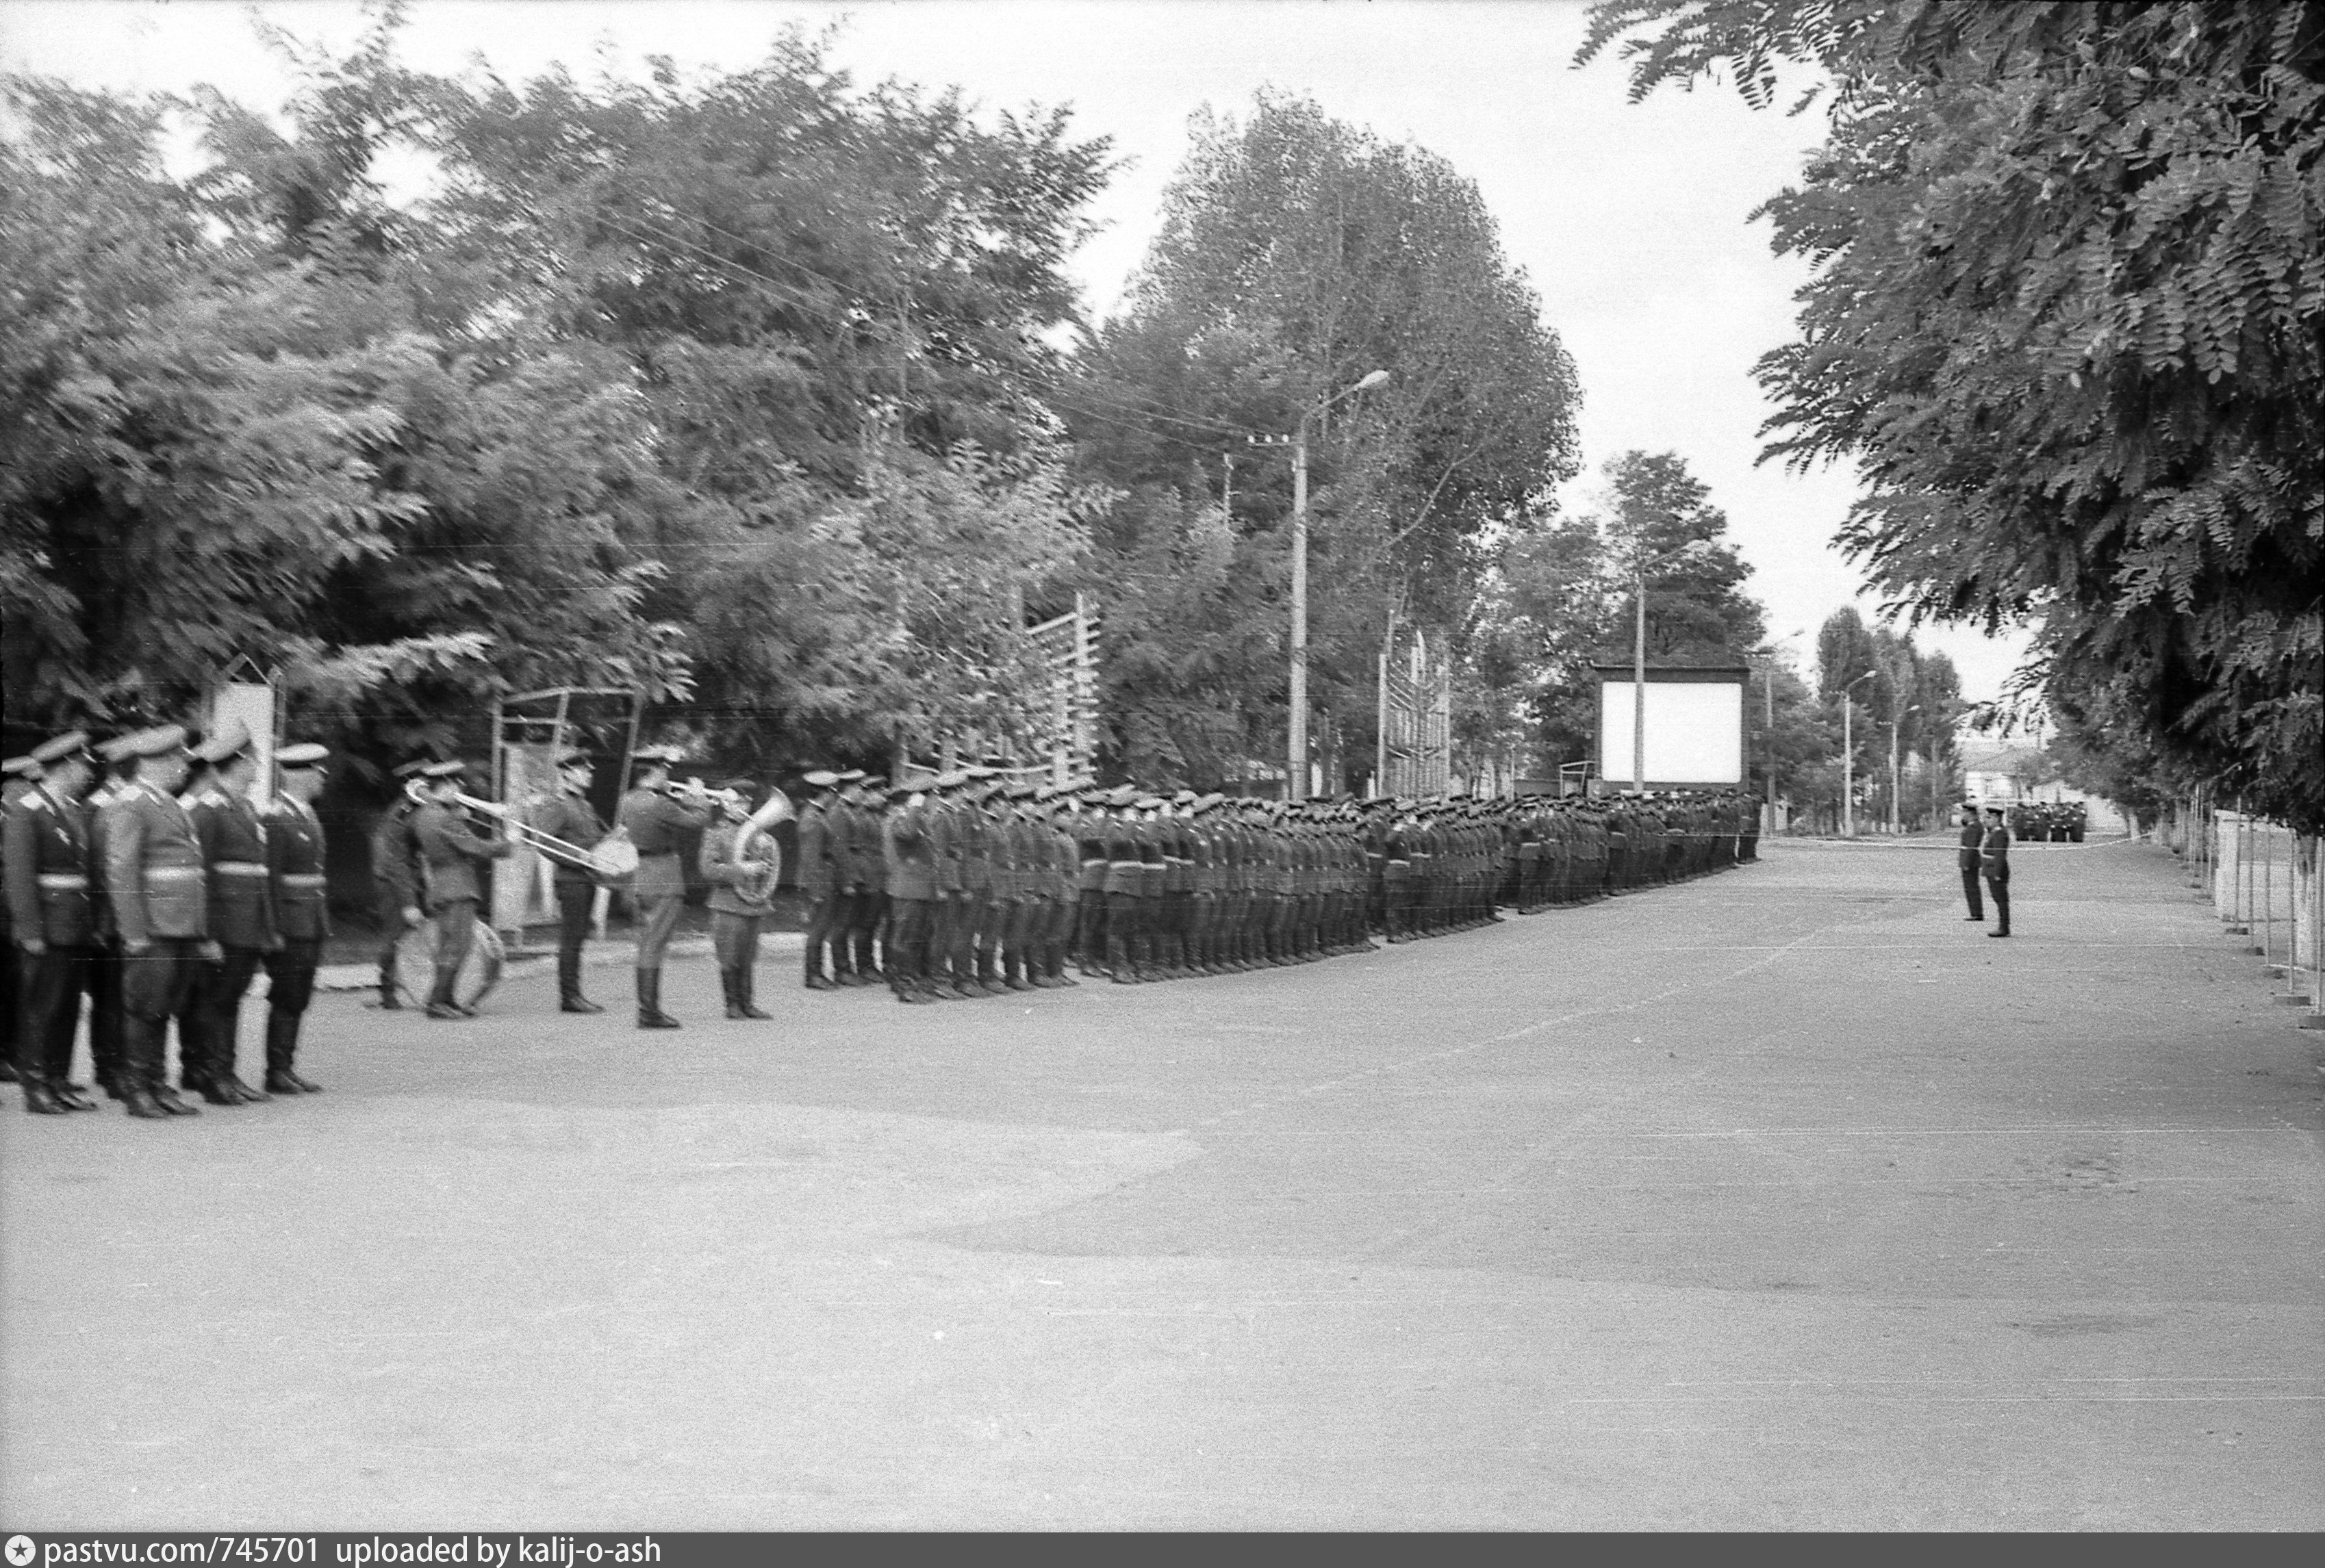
(1895, 722)
(1768, 723)
(1694, 547)
(1295, 778)
(1848, 759)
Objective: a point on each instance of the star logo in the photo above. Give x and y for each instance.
(20, 1551)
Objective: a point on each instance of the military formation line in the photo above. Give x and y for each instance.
(141, 875)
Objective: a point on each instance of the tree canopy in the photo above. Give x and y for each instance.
(2069, 321)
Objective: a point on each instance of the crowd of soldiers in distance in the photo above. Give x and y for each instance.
(971, 885)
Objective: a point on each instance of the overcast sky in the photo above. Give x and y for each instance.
(1630, 219)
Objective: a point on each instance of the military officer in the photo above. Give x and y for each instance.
(18, 775)
(52, 917)
(156, 887)
(241, 916)
(908, 861)
(1966, 856)
(303, 917)
(822, 854)
(107, 1017)
(865, 877)
(450, 851)
(395, 875)
(741, 893)
(1994, 863)
(658, 822)
(570, 817)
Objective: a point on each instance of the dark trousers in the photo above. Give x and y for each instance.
(289, 987)
(1969, 893)
(48, 1012)
(909, 923)
(154, 985)
(1089, 927)
(1998, 889)
(657, 919)
(216, 998)
(576, 901)
(106, 1050)
(826, 926)
(868, 914)
(735, 939)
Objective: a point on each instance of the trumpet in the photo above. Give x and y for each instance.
(605, 861)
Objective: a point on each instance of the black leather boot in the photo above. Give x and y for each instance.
(38, 1100)
(730, 987)
(650, 1013)
(747, 985)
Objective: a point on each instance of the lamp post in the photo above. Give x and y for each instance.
(1295, 778)
(1639, 568)
(1896, 722)
(1768, 721)
(1848, 758)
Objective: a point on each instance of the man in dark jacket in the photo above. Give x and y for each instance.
(569, 817)
(1973, 834)
(395, 876)
(450, 851)
(303, 917)
(242, 917)
(1993, 861)
(51, 875)
(658, 826)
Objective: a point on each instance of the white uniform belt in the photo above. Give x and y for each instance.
(63, 881)
(239, 868)
(173, 873)
(303, 879)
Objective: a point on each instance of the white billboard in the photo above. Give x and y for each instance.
(1695, 731)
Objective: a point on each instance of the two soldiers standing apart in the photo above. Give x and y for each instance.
(657, 825)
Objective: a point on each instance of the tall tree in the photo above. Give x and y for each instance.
(2069, 319)
(1298, 255)
(1660, 517)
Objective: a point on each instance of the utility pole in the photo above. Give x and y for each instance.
(1848, 758)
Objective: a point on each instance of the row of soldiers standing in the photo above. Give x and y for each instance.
(974, 885)
(140, 873)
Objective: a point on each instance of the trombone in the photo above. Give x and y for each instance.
(594, 860)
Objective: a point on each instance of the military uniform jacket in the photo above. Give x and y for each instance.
(450, 851)
(50, 872)
(1994, 854)
(1089, 831)
(727, 875)
(294, 864)
(1124, 872)
(819, 876)
(396, 853)
(858, 863)
(155, 879)
(1972, 837)
(909, 853)
(234, 847)
(658, 827)
(572, 818)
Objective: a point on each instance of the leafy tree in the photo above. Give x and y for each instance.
(1298, 255)
(2067, 319)
(1659, 516)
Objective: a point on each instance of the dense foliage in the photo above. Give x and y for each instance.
(2068, 319)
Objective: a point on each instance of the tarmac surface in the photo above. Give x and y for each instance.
(1784, 1198)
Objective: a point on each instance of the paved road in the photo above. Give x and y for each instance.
(1783, 1198)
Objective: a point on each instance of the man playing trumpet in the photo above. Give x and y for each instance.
(658, 821)
(741, 866)
(567, 820)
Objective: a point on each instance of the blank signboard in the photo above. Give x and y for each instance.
(1695, 731)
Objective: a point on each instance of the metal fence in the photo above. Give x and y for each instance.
(2261, 878)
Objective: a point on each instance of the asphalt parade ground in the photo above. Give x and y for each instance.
(1784, 1198)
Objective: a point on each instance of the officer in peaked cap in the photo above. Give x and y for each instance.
(395, 873)
(157, 888)
(822, 851)
(48, 873)
(450, 855)
(18, 775)
(241, 916)
(863, 879)
(303, 919)
(568, 816)
(909, 862)
(658, 824)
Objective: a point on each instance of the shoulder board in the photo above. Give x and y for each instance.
(35, 801)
